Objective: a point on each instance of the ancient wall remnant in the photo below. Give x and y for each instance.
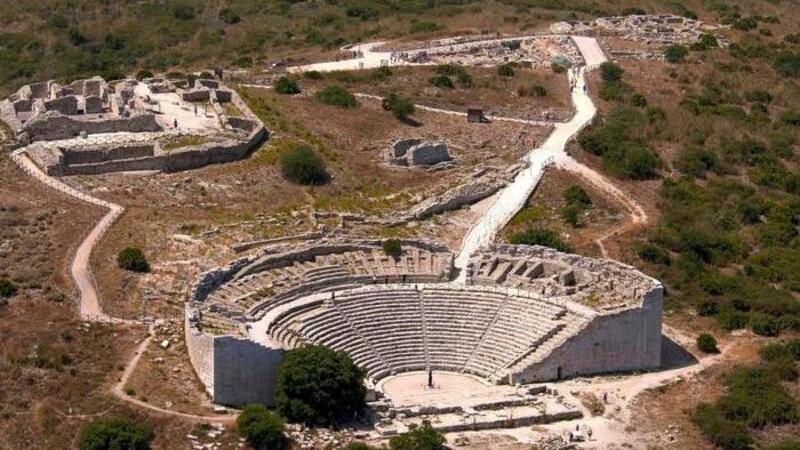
(417, 152)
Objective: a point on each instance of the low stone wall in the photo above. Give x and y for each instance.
(98, 154)
(54, 126)
(465, 194)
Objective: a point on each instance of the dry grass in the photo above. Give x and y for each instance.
(497, 95)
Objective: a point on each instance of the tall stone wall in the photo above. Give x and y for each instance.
(235, 371)
(614, 342)
(244, 372)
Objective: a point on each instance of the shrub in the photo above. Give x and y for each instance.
(788, 64)
(116, 433)
(442, 81)
(577, 195)
(317, 385)
(262, 429)
(142, 74)
(610, 72)
(393, 248)
(183, 11)
(423, 438)
(355, 445)
(720, 431)
(708, 308)
(132, 258)
(302, 165)
(675, 53)
(707, 344)
(536, 90)
(7, 288)
(654, 254)
(400, 107)
(758, 95)
(313, 75)
(785, 445)
(337, 96)
(228, 16)
(572, 214)
(638, 100)
(287, 86)
(696, 161)
(706, 41)
(505, 70)
(633, 12)
(558, 68)
(382, 73)
(539, 236)
(791, 118)
(764, 325)
(732, 320)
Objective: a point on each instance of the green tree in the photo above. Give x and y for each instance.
(262, 429)
(116, 433)
(317, 385)
(336, 95)
(287, 86)
(442, 81)
(707, 344)
(303, 165)
(423, 438)
(393, 248)
(675, 53)
(133, 259)
(575, 194)
(610, 72)
(228, 16)
(400, 107)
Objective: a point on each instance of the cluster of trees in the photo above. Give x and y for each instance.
(756, 397)
(116, 433)
(614, 89)
(620, 140)
(400, 107)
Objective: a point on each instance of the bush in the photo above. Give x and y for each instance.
(708, 308)
(733, 320)
(313, 75)
(706, 41)
(654, 254)
(337, 96)
(785, 445)
(758, 95)
(228, 16)
(142, 74)
(536, 90)
(355, 445)
(287, 86)
(707, 344)
(317, 385)
(610, 72)
(400, 107)
(675, 53)
(262, 429)
(382, 73)
(442, 81)
(302, 165)
(639, 100)
(393, 248)
(788, 64)
(721, 432)
(132, 258)
(558, 68)
(424, 27)
(7, 288)
(764, 325)
(423, 438)
(577, 195)
(539, 236)
(116, 433)
(505, 70)
(791, 118)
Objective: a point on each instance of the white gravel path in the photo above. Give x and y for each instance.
(512, 199)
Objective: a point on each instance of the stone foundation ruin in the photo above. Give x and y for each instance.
(418, 152)
(91, 126)
(525, 314)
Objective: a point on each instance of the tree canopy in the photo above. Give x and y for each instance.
(317, 385)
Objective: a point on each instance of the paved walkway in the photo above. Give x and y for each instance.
(513, 198)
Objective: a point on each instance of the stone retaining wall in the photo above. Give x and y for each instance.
(52, 126)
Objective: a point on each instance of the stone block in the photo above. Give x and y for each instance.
(94, 105)
(65, 105)
(428, 154)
